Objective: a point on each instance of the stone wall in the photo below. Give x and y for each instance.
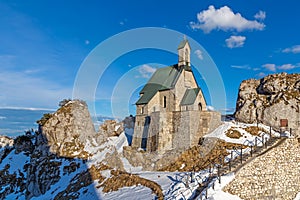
(274, 175)
(138, 130)
(181, 122)
(173, 130)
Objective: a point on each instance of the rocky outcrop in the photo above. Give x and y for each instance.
(6, 146)
(270, 99)
(108, 129)
(68, 129)
(23, 143)
(5, 141)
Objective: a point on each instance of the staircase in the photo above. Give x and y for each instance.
(235, 164)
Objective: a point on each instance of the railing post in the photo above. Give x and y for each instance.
(266, 142)
(251, 149)
(219, 174)
(263, 141)
(230, 165)
(241, 154)
(290, 132)
(270, 131)
(255, 141)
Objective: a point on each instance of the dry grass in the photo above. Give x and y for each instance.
(121, 179)
(191, 160)
(254, 130)
(233, 133)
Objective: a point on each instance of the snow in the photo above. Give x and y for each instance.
(117, 127)
(16, 162)
(297, 197)
(220, 132)
(129, 168)
(175, 185)
(64, 181)
(218, 194)
(130, 193)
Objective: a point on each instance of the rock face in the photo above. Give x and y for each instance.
(68, 129)
(269, 100)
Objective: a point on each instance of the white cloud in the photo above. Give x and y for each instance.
(270, 67)
(241, 67)
(261, 74)
(146, 71)
(235, 41)
(122, 23)
(293, 49)
(286, 67)
(199, 54)
(224, 19)
(261, 15)
(273, 67)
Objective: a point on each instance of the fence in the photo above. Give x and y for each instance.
(260, 142)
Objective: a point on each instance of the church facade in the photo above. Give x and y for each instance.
(171, 112)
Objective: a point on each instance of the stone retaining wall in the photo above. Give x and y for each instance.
(274, 175)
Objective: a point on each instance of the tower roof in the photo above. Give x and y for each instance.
(183, 43)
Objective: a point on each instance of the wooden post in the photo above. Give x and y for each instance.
(290, 132)
(229, 165)
(251, 148)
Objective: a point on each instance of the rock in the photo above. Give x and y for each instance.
(108, 129)
(23, 143)
(67, 130)
(6, 141)
(270, 99)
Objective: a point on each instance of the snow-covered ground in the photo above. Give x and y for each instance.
(180, 185)
(220, 132)
(175, 185)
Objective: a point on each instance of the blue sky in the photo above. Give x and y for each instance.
(44, 43)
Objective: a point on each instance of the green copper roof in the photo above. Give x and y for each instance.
(163, 79)
(189, 96)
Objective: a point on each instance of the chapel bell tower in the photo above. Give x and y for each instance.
(184, 52)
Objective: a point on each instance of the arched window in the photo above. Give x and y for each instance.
(200, 106)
